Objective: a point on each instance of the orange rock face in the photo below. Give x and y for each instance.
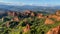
(40, 15)
(27, 11)
(58, 19)
(15, 19)
(58, 12)
(55, 30)
(54, 16)
(27, 28)
(49, 21)
(12, 13)
(32, 14)
(57, 16)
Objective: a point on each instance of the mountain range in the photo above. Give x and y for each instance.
(49, 9)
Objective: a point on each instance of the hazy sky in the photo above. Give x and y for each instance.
(31, 2)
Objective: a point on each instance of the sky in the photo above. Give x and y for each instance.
(31, 2)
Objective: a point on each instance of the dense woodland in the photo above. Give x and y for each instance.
(30, 22)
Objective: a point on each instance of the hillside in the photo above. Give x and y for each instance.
(30, 22)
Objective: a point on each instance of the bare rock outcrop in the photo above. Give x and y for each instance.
(49, 21)
(58, 12)
(27, 28)
(55, 30)
(11, 13)
(39, 15)
(16, 19)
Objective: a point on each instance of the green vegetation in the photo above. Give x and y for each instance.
(37, 26)
(11, 25)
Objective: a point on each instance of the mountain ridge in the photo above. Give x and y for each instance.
(28, 7)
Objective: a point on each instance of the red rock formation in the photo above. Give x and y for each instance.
(55, 30)
(54, 16)
(32, 14)
(40, 15)
(11, 13)
(59, 30)
(49, 21)
(16, 19)
(58, 19)
(58, 12)
(27, 28)
(50, 16)
(28, 11)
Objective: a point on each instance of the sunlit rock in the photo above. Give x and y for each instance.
(58, 12)
(49, 21)
(16, 19)
(54, 30)
(39, 15)
(27, 28)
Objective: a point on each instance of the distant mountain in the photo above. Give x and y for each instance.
(28, 7)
